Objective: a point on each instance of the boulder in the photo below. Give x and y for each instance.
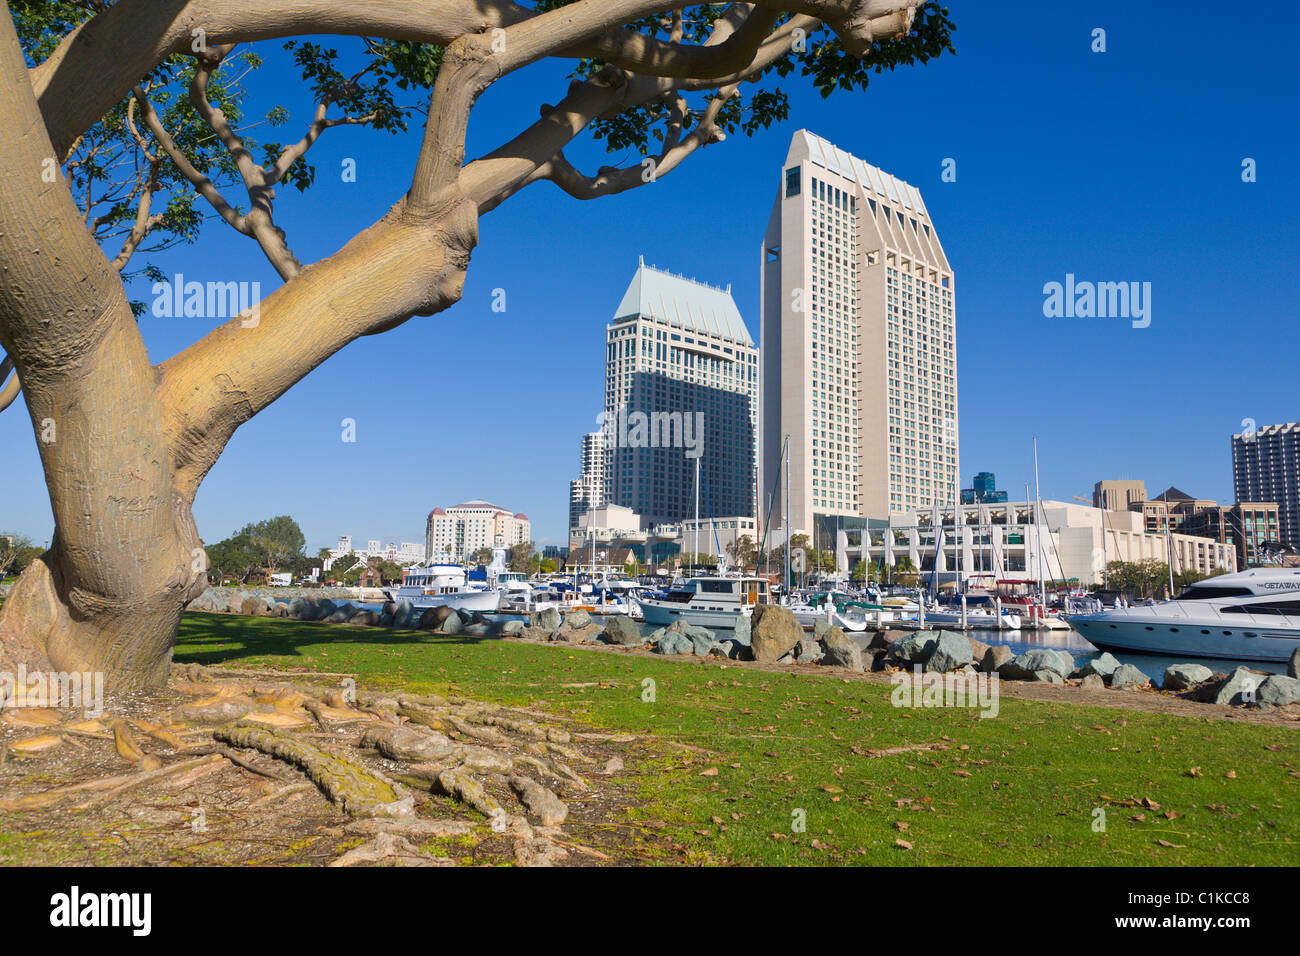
(1293, 665)
(807, 651)
(702, 640)
(549, 619)
(432, 618)
(742, 632)
(1103, 665)
(1278, 691)
(364, 618)
(674, 642)
(820, 626)
(576, 619)
(588, 634)
(1126, 677)
(1048, 677)
(621, 629)
(513, 628)
(995, 657)
(887, 637)
(915, 648)
(406, 615)
(322, 609)
(977, 650)
(774, 632)
(951, 651)
(477, 629)
(1183, 676)
(453, 623)
(253, 606)
(1239, 687)
(1092, 682)
(841, 651)
(734, 650)
(1025, 666)
(530, 633)
(387, 613)
(301, 609)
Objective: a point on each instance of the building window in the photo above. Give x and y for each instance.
(792, 181)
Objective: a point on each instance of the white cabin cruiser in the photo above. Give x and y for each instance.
(1250, 615)
(438, 585)
(712, 602)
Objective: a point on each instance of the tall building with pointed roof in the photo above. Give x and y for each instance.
(681, 383)
(858, 337)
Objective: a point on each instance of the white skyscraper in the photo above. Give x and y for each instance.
(858, 345)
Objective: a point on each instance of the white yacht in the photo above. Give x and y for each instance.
(712, 602)
(1250, 615)
(436, 585)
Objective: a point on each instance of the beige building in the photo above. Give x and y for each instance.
(1118, 495)
(1004, 541)
(457, 532)
(858, 349)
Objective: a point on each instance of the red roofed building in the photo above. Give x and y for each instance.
(455, 533)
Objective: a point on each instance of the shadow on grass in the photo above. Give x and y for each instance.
(237, 637)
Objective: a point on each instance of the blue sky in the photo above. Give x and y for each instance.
(1117, 166)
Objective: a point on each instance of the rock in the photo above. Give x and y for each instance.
(1126, 676)
(543, 805)
(1293, 665)
(406, 615)
(477, 629)
(742, 631)
(622, 630)
(1092, 682)
(453, 623)
(364, 618)
(807, 651)
(995, 657)
(531, 633)
(513, 628)
(1048, 677)
(774, 632)
(1103, 665)
(432, 618)
(951, 651)
(735, 650)
(1025, 666)
(1183, 676)
(914, 648)
(387, 613)
(820, 627)
(1239, 687)
(322, 609)
(701, 639)
(674, 642)
(977, 650)
(253, 606)
(842, 652)
(278, 609)
(577, 619)
(572, 633)
(549, 619)
(1278, 691)
(301, 609)
(887, 637)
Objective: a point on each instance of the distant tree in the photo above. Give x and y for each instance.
(549, 566)
(279, 540)
(16, 552)
(742, 552)
(520, 557)
(390, 572)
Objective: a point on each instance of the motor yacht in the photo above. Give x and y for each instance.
(1250, 615)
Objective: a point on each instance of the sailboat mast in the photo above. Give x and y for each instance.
(786, 584)
(1038, 531)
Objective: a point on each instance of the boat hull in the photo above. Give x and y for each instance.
(663, 613)
(1255, 643)
(483, 601)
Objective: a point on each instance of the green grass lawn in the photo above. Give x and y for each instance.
(1018, 789)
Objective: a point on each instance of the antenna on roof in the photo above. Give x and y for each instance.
(641, 260)
(728, 288)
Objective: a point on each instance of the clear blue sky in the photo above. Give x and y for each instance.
(1117, 166)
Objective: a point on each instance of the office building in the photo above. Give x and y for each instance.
(1266, 467)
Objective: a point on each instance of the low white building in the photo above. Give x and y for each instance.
(1003, 541)
(457, 532)
(406, 553)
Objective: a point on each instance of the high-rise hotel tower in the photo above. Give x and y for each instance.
(858, 345)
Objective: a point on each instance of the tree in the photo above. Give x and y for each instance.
(520, 558)
(549, 566)
(16, 552)
(279, 540)
(159, 93)
(742, 552)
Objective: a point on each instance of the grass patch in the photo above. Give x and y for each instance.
(1019, 789)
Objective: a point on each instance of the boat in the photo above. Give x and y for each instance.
(1248, 615)
(712, 602)
(975, 618)
(443, 585)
